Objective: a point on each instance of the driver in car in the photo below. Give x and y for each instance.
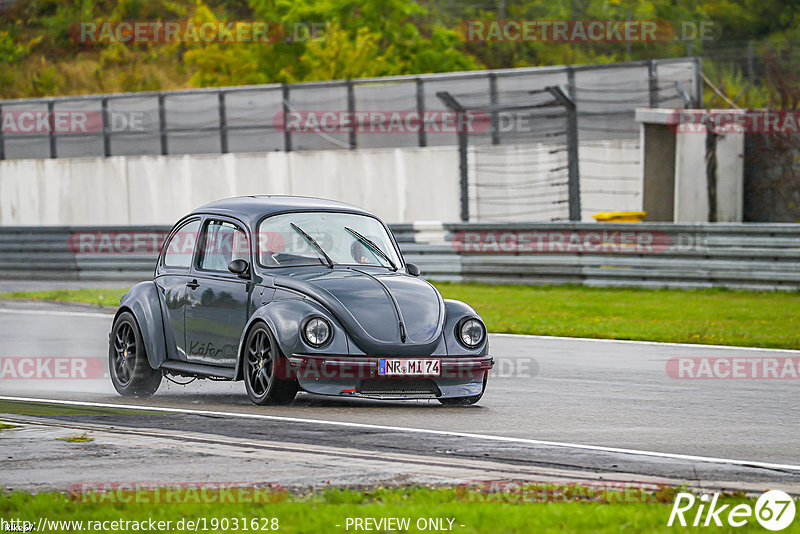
(360, 253)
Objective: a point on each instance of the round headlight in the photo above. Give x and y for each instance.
(471, 333)
(317, 332)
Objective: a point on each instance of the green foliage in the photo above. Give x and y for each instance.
(327, 39)
(10, 50)
(223, 65)
(82, 438)
(731, 82)
(337, 56)
(45, 80)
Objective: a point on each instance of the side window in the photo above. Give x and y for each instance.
(179, 249)
(222, 242)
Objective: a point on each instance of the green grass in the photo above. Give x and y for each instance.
(96, 297)
(6, 426)
(321, 511)
(714, 316)
(722, 317)
(83, 438)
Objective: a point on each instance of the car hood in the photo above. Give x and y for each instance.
(385, 312)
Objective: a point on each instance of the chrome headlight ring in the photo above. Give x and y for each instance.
(470, 332)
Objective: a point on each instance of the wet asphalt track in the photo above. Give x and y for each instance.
(608, 394)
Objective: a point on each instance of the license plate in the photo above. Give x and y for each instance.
(408, 367)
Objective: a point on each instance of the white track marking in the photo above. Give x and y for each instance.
(57, 312)
(653, 343)
(597, 448)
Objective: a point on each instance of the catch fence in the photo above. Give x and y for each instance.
(517, 168)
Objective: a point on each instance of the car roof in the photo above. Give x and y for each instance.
(252, 208)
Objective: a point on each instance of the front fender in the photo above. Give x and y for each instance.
(455, 311)
(284, 317)
(142, 301)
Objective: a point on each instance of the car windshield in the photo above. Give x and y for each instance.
(281, 241)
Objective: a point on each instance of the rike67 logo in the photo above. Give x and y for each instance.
(774, 510)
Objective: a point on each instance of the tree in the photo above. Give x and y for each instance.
(361, 38)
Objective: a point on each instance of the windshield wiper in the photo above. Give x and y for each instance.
(313, 243)
(375, 248)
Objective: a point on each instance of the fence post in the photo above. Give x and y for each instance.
(421, 135)
(162, 124)
(2, 141)
(51, 121)
(698, 80)
(106, 128)
(287, 136)
(463, 169)
(573, 180)
(351, 109)
(223, 124)
(493, 104)
(571, 84)
(652, 78)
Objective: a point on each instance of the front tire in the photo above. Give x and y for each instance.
(263, 365)
(130, 371)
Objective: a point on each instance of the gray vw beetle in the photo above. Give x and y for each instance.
(290, 293)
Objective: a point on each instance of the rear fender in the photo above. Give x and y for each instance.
(142, 301)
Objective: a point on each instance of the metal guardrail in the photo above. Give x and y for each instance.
(652, 255)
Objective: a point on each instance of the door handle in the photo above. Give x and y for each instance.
(193, 284)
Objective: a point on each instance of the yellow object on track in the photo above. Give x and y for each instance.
(620, 216)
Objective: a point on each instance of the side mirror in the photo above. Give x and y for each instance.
(412, 269)
(239, 267)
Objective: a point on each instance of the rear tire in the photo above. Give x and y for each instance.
(263, 366)
(128, 367)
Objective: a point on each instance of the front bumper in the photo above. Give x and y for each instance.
(358, 377)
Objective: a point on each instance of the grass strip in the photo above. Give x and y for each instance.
(707, 316)
(329, 510)
(713, 316)
(95, 297)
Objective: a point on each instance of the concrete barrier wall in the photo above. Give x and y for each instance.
(400, 185)
(397, 184)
